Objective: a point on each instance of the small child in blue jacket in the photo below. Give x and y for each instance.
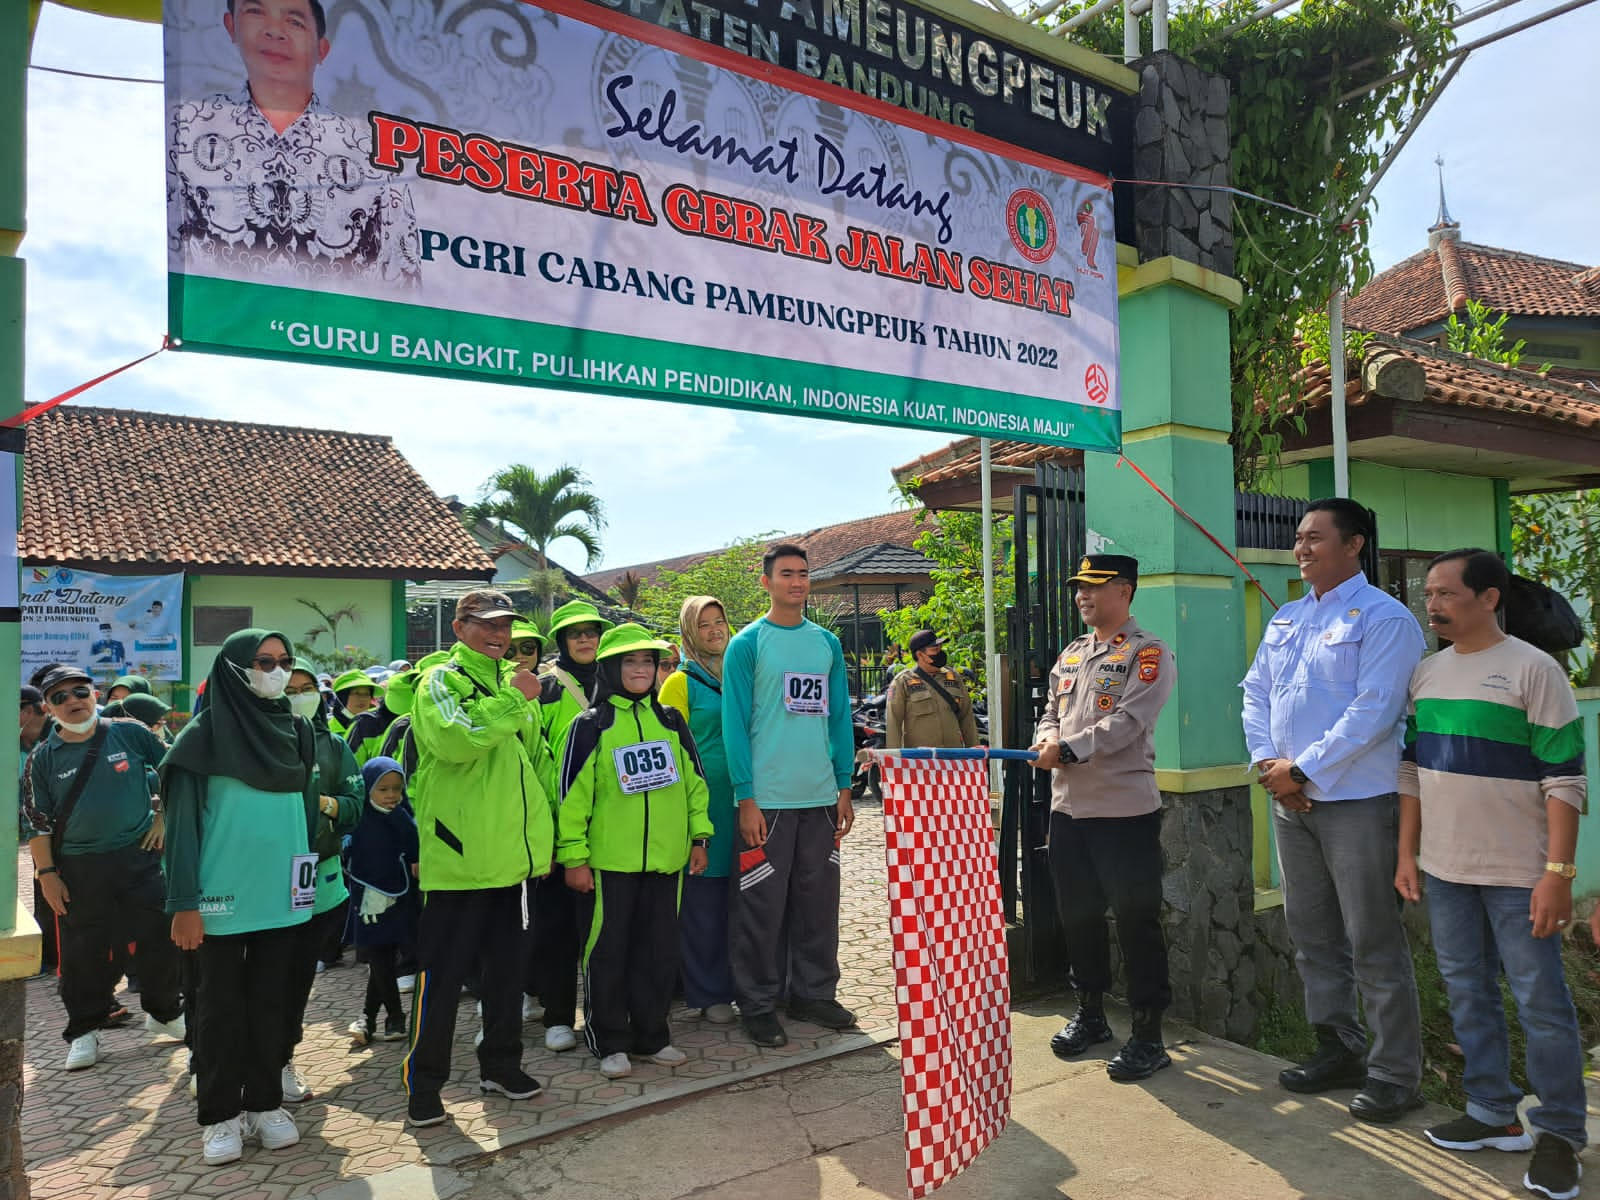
(380, 862)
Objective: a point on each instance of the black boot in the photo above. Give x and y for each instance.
(1087, 1028)
(1334, 1065)
(1144, 1054)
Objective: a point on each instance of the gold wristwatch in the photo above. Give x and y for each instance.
(1565, 870)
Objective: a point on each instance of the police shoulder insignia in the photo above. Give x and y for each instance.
(1105, 701)
(1149, 664)
(1119, 639)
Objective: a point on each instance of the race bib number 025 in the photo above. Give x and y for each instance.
(805, 695)
(645, 767)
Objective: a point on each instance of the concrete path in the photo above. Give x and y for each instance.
(1216, 1125)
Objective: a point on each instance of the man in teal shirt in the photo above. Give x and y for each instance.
(98, 862)
(786, 727)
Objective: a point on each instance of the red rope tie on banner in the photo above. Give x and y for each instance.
(44, 406)
(1206, 533)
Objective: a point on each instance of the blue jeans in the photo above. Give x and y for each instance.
(1477, 931)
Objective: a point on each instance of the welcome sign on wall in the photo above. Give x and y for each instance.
(853, 209)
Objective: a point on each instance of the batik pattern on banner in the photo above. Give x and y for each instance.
(568, 195)
(952, 976)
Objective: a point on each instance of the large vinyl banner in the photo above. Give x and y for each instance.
(109, 625)
(656, 198)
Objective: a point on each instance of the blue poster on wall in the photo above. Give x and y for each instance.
(109, 625)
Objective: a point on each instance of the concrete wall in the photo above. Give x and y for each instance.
(273, 600)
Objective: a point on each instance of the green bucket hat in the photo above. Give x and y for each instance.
(576, 612)
(351, 680)
(626, 638)
(401, 692)
(521, 630)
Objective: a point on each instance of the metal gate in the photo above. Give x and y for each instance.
(1049, 536)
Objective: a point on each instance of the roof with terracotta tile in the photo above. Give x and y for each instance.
(1429, 286)
(962, 457)
(1459, 381)
(822, 545)
(114, 489)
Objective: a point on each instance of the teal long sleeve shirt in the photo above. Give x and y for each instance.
(786, 715)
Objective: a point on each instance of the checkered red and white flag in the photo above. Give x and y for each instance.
(951, 974)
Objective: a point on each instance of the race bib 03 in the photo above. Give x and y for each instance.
(805, 695)
(302, 882)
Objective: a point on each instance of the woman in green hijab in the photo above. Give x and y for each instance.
(240, 787)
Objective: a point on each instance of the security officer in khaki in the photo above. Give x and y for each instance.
(929, 705)
(1097, 737)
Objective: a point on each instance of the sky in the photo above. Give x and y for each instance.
(1520, 169)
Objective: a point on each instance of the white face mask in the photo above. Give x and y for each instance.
(306, 704)
(269, 685)
(83, 726)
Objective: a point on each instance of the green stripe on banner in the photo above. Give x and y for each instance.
(224, 316)
(1474, 718)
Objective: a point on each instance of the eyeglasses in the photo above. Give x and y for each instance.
(586, 633)
(81, 692)
(526, 649)
(265, 662)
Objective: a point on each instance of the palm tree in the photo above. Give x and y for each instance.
(535, 510)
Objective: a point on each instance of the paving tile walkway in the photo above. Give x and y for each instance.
(126, 1129)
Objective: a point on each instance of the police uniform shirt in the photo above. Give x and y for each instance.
(1103, 701)
(916, 715)
(247, 201)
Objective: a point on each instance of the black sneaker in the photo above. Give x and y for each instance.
(1469, 1133)
(765, 1030)
(1554, 1170)
(424, 1108)
(394, 1029)
(830, 1014)
(513, 1082)
(1083, 1031)
(1138, 1060)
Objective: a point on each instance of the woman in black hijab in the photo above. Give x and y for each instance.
(240, 790)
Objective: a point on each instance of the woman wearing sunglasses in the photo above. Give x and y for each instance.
(240, 785)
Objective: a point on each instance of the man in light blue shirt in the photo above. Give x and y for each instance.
(787, 731)
(1324, 703)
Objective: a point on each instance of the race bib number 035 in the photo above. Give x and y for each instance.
(805, 695)
(645, 767)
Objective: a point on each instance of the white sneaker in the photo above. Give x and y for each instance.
(83, 1052)
(561, 1037)
(174, 1029)
(532, 1010)
(668, 1056)
(294, 1088)
(222, 1142)
(406, 983)
(276, 1129)
(720, 1014)
(616, 1066)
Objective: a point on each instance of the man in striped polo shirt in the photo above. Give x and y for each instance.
(1491, 788)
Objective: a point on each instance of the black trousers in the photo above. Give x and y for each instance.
(783, 922)
(309, 940)
(332, 945)
(244, 994)
(630, 961)
(457, 932)
(1115, 862)
(44, 915)
(383, 988)
(553, 947)
(113, 898)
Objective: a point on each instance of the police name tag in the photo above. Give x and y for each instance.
(646, 766)
(302, 882)
(805, 695)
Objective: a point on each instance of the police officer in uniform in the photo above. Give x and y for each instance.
(1097, 738)
(929, 706)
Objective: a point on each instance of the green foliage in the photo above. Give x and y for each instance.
(1482, 338)
(733, 576)
(337, 659)
(1555, 538)
(1316, 337)
(955, 609)
(536, 510)
(1297, 140)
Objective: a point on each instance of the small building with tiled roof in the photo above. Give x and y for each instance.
(263, 521)
(1553, 305)
(951, 477)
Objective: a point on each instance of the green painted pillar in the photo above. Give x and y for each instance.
(1177, 414)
